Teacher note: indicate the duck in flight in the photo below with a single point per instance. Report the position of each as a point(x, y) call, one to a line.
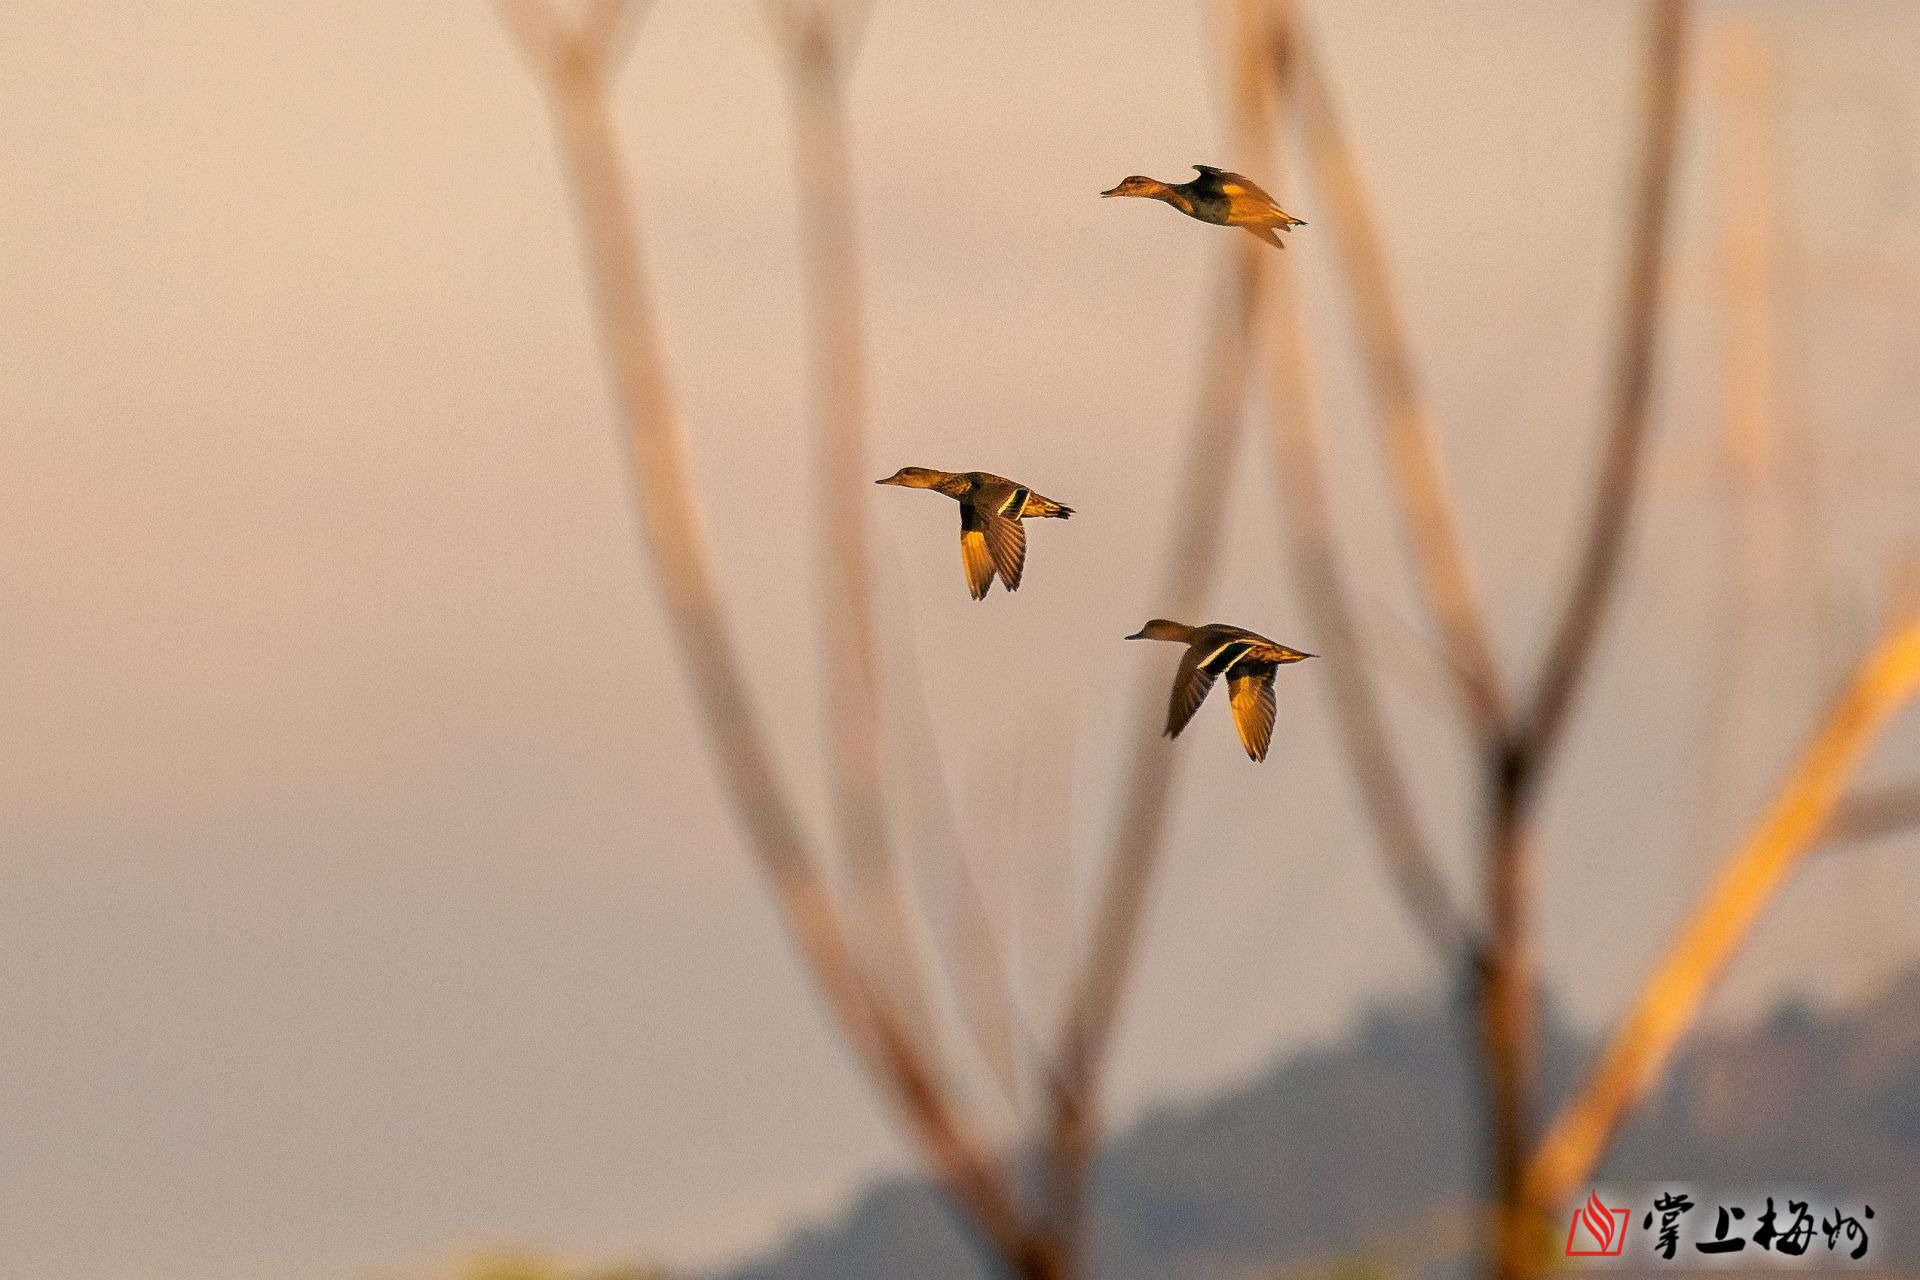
point(1216, 196)
point(992, 537)
point(1248, 661)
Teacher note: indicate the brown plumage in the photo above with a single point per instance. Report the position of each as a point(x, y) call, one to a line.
point(992, 538)
point(1216, 196)
point(1248, 661)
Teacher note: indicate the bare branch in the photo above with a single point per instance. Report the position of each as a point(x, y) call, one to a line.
point(1188, 569)
point(1519, 759)
point(980, 977)
point(1103, 971)
point(608, 29)
point(1617, 486)
point(554, 50)
point(823, 172)
point(1873, 813)
point(537, 32)
point(673, 538)
point(1669, 1002)
point(1445, 571)
point(1310, 541)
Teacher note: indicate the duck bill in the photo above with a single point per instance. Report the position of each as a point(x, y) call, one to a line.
point(1138, 635)
point(888, 480)
point(1115, 192)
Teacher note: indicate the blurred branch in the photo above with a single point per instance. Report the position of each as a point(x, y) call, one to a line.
point(1310, 540)
point(1870, 814)
point(1102, 973)
point(1518, 761)
point(1751, 428)
point(1669, 1002)
point(598, 44)
point(1192, 555)
point(1432, 532)
point(1618, 484)
point(816, 71)
point(977, 968)
point(572, 69)
point(1186, 572)
point(840, 26)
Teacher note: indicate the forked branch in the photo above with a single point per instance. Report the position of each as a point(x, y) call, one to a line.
point(1432, 532)
point(1311, 542)
point(1100, 975)
point(1617, 490)
point(1669, 1001)
point(1872, 813)
point(574, 69)
point(816, 53)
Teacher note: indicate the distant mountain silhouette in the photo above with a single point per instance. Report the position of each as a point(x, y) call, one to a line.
point(1360, 1157)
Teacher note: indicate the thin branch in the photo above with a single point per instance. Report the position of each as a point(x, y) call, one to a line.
point(1102, 973)
point(1445, 572)
point(673, 538)
point(796, 22)
point(1310, 541)
point(823, 170)
point(1669, 1002)
point(608, 29)
point(1519, 761)
point(1186, 572)
point(599, 43)
point(977, 970)
point(1870, 814)
point(1617, 487)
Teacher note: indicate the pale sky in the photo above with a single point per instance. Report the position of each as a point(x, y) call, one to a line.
point(365, 894)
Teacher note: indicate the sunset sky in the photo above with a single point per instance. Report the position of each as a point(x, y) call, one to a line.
point(365, 891)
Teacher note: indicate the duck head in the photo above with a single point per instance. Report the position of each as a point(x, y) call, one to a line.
point(1151, 188)
point(1163, 629)
point(915, 477)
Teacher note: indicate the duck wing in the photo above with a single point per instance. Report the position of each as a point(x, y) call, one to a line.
point(1251, 685)
point(1234, 184)
point(1223, 634)
point(1007, 543)
point(1190, 685)
point(1229, 183)
point(974, 554)
point(1247, 197)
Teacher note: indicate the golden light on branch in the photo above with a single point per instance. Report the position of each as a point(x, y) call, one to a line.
point(1670, 1001)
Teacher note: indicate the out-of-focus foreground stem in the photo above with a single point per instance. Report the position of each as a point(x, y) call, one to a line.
point(574, 69)
point(1519, 761)
point(1312, 547)
point(816, 55)
point(1101, 975)
point(1669, 1001)
point(1432, 532)
point(1618, 485)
